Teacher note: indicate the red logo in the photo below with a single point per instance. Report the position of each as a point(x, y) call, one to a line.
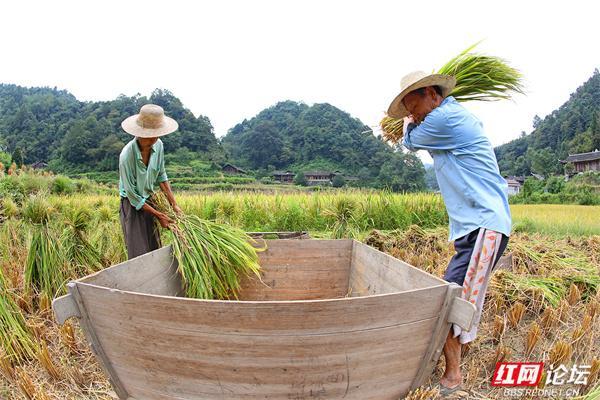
point(517, 374)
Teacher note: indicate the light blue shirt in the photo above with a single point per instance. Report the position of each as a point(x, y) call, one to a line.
point(475, 194)
point(137, 181)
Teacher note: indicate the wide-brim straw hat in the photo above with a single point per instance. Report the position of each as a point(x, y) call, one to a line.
point(150, 122)
point(417, 80)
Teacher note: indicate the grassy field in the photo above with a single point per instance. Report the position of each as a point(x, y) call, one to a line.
point(545, 308)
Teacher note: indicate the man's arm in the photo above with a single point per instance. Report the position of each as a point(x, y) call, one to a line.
point(166, 189)
point(126, 170)
point(163, 181)
point(434, 133)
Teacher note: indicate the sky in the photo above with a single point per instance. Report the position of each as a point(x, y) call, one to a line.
point(228, 60)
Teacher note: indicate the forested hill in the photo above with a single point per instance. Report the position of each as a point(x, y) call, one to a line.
point(52, 126)
point(49, 125)
point(295, 136)
point(572, 128)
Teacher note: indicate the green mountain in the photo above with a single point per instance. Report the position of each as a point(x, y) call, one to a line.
point(295, 136)
point(573, 128)
point(50, 125)
point(85, 138)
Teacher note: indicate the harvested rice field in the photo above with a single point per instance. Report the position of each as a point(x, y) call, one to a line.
point(542, 305)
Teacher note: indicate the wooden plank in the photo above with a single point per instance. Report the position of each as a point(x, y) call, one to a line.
point(65, 307)
point(180, 363)
point(462, 313)
point(95, 344)
point(438, 338)
point(153, 273)
point(264, 317)
point(297, 282)
point(316, 269)
point(374, 272)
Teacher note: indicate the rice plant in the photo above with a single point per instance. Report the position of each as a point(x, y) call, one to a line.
point(533, 336)
point(80, 253)
point(560, 353)
point(15, 338)
point(44, 269)
point(478, 77)
point(344, 221)
point(212, 257)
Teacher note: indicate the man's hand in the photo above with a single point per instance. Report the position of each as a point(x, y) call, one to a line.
point(164, 220)
point(407, 120)
point(177, 209)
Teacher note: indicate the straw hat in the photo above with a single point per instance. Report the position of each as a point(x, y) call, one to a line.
point(150, 122)
point(417, 80)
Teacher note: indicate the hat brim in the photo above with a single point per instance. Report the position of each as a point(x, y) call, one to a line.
point(130, 126)
point(446, 82)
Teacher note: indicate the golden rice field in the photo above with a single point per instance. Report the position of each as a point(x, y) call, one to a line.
point(557, 218)
point(544, 307)
point(369, 210)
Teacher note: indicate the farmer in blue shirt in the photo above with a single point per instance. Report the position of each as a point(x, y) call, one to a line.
point(475, 194)
point(141, 172)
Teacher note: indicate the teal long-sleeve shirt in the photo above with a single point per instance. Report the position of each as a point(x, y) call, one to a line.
point(475, 194)
point(137, 181)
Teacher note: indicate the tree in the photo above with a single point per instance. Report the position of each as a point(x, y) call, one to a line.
point(300, 179)
point(543, 162)
point(402, 173)
point(75, 144)
point(18, 157)
point(262, 146)
point(595, 131)
point(338, 181)
point(5, 159)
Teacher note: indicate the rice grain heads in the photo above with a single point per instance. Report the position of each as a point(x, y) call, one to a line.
point(478, 77)
point(212, 257)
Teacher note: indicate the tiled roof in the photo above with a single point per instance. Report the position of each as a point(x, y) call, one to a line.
point(594, 155)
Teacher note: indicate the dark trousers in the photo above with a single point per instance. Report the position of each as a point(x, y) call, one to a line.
point(458, 265)
point(139, 230)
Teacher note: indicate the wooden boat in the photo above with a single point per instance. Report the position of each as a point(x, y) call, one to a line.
point(331, 319)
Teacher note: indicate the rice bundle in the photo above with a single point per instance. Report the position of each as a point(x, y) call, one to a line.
point(478, 77)
point(344, 224)
point(16, 342)
point(212, 257)
point(44, 268)
point(78, 249)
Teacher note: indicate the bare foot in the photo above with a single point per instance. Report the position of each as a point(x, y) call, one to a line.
point(451, 381)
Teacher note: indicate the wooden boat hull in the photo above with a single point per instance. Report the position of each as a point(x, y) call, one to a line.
point(331, 319)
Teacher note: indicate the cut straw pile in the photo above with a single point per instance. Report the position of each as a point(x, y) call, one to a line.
point(478, 77)
point(212, 257)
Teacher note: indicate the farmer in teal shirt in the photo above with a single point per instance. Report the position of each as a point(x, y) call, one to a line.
point(474, 192)
point(141, 172)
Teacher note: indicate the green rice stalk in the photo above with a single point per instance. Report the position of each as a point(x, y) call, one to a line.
point(44, 268)
point(212, 257)
point(345, 224)
point(478, 77)
point(16, 341)
point(80, 253)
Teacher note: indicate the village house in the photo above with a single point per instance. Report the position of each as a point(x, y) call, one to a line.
point(514, 184)
point(514, 187)
point(39, 165)
point(232, 170)
point(283, 176)
point(583, 162)
point(314, 178)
